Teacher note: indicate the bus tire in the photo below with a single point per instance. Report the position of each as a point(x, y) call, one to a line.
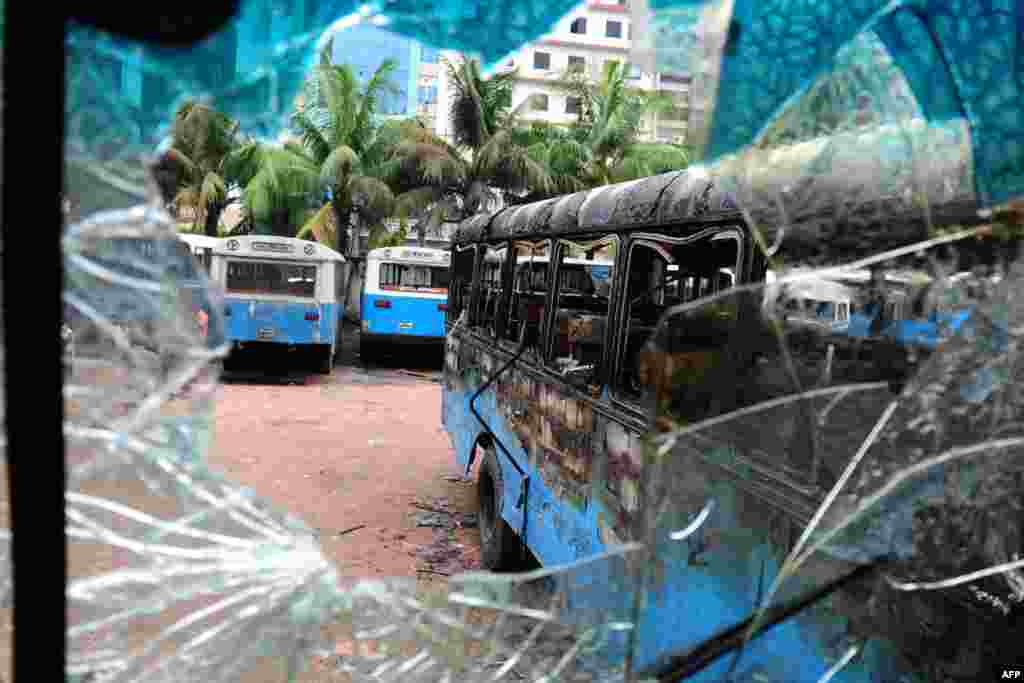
point(325, 365)
point(500, 546)
point(368, 351)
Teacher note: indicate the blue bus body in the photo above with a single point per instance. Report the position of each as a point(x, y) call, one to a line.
point(281, 293)
point(404, 297)
point(571, 472)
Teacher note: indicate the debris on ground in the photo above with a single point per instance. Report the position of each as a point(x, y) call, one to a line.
point(439, 513)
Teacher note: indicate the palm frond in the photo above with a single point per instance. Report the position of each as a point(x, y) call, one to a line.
point(187, 197)
point(311, 135)
point(415, 202)
point(338, 166)
point(378, 83)
point(320, 225)
point(212, 191)
point(372, 199)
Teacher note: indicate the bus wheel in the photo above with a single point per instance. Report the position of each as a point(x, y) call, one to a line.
point(326, 361)
point(500, 547)
point(368, 351)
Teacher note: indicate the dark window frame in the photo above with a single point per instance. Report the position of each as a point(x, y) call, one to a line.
point(569, 100)
point(608, 31)
point(577, 63)
point(578, 22)
point(454, 311)
point(539, 56)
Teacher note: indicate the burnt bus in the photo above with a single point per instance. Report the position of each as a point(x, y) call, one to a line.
point(752, 388)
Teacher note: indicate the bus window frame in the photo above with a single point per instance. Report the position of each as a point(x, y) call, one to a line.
point(625, 401)
point(512, 260)
point(601, 378)
point(500, 307)
point(452, 316)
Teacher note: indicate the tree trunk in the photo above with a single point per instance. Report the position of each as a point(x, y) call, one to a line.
point(212, 220)
point(342, 223)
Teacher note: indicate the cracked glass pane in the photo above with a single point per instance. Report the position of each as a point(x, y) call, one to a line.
point(823, 385)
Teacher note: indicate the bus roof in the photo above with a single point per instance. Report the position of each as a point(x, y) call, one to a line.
point(836, 198)
point(200, 240)
point(273, 246)
point(424, 255)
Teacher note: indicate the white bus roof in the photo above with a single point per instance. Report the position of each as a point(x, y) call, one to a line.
point(423, 255)
point(273, 246)
point(200, 240)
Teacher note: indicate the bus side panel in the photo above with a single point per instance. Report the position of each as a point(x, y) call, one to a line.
point(562, 525)
point(407, 316)
point(584, 472)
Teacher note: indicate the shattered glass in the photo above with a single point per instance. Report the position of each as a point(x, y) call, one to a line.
point(179, 574)
point(748, 58)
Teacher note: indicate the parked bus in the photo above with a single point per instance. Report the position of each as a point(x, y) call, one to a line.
point(202, 247)
point(558, 397)
point(150, 261)
point(404, 297)
point(281, 293)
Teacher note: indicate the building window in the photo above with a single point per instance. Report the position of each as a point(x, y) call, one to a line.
point(572, 105)
point(576, 63)
point(539, 102)
point(578, 26)
point(613, 29)
point(542, 61)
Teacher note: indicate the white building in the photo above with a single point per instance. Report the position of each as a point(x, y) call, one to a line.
point(588, 37)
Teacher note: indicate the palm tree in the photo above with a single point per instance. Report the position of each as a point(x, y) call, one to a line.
point(279, 183)
point(202, 139)
point(602, 146)
point(482, 168)
point(345, 150)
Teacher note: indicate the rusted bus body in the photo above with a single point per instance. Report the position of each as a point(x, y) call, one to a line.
point(689, 337)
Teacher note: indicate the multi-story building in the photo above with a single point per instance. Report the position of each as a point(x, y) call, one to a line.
point(586, 39)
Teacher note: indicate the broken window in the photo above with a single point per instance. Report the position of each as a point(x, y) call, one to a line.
point(492, 306)
point(577, 341)
point(663, 272)
point(529, 292)
point(463, 264)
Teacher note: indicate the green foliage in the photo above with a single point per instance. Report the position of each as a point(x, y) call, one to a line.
point(202, 141)
point(487, 165)
point(602, 146)
point(390, 239)
point(343, 150)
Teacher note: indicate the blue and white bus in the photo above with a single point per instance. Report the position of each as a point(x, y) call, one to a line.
point(404, 297)
point(281, 293)
point(202, 247)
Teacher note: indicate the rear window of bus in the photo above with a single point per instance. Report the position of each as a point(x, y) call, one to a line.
point(414, 277)
point(260, 277)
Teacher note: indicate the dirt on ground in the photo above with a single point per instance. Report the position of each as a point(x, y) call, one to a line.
point(362, 458)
